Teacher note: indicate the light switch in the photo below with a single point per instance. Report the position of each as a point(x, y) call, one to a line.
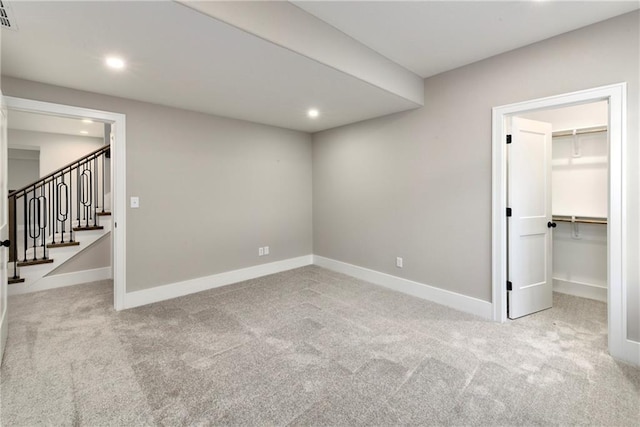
point(135, 202)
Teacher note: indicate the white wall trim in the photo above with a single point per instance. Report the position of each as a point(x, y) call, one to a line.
point(4, 330)
point(178, 289)
point(63, 280)
point(440, 296)
point(420, 290)
point(631, 352)
point(619, 346)
point(118, 176)
point(583, 290)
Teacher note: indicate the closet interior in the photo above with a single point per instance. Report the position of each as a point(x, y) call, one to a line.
point(579, 198)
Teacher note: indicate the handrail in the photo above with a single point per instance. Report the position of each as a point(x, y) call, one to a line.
point(44, 179)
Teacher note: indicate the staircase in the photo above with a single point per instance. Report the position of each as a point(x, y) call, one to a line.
point(57, 217)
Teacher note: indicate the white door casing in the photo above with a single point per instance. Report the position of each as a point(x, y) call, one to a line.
point(529, 236)
point(620, 346)
point(4, 230)
point(118, 176)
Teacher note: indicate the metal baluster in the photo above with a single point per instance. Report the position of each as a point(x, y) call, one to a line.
point(70, 215)
point(33, 222)
point(95, 191)
point(13, 253)
point(69, 202)
point(64, 222)
point(31, 225)
point(87, 193)
point(54, 209)
point(78, 194)
point(81, 187)
point(50, 210)
point(104, 160)
point(62, 215)
point(25, 222)
point(82, 194)
point(43, 220)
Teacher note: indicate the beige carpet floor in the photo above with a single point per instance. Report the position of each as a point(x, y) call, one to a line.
point(306, 347)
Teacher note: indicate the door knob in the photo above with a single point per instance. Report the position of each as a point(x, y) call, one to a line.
point(551, 224)
point(5, 243)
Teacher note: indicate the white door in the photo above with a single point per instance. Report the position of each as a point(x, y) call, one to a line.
point(4, 230)
point(530, 224)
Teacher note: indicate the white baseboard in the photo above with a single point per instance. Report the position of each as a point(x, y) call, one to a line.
point(631, 352)
point(584, 290)
point(420, 290)
point(4, 327)
point(174, 290)
point(62, 280)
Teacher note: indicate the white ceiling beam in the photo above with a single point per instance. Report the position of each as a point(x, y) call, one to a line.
point(288, 26)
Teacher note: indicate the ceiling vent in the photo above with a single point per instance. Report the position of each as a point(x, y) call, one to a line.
point(6, 20)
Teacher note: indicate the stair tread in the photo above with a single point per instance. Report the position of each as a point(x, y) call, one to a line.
point(103, 213)
point(13, 281)
point(91, 227)
point(62, 245)
point(36, 262)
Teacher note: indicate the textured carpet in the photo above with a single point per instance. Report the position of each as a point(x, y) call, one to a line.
point(306, 347)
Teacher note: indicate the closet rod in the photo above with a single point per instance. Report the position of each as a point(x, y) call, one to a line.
point(596, 129)
point(580, 219)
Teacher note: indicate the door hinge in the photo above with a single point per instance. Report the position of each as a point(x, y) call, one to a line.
point(508, 211)
point(509, 285)
point(508, 139)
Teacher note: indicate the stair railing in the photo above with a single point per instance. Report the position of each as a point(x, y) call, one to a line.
point(47, 212)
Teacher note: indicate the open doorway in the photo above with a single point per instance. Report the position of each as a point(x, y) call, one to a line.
point(579, 198)
point(557, 196)
point(615, 95)
point(85, 178)
point(59, 177)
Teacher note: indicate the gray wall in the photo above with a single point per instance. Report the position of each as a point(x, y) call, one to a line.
point(23, 167)
point(97, 255)
point(418, 184)
point(212, 190)
point(56, 150)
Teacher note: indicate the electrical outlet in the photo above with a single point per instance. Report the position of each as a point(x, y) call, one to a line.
point(266, 250)
point(135, 202)
point(399, 263)
point(260, 251)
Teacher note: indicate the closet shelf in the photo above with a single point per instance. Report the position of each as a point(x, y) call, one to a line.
point(580, 131)
point(580, 219)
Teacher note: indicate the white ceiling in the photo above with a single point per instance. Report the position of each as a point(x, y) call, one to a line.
point(430, 37)
point(20, 120)
point(179, 57)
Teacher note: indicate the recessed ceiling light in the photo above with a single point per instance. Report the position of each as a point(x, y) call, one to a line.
point(84, 132)
point(87, 121)
point(115, 62)
point(313, 113)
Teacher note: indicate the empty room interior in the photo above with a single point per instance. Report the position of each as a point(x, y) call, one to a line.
point(320, 213)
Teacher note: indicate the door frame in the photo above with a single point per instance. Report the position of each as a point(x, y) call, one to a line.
point(619, 346)
point(118, 177)
point(4, 288)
